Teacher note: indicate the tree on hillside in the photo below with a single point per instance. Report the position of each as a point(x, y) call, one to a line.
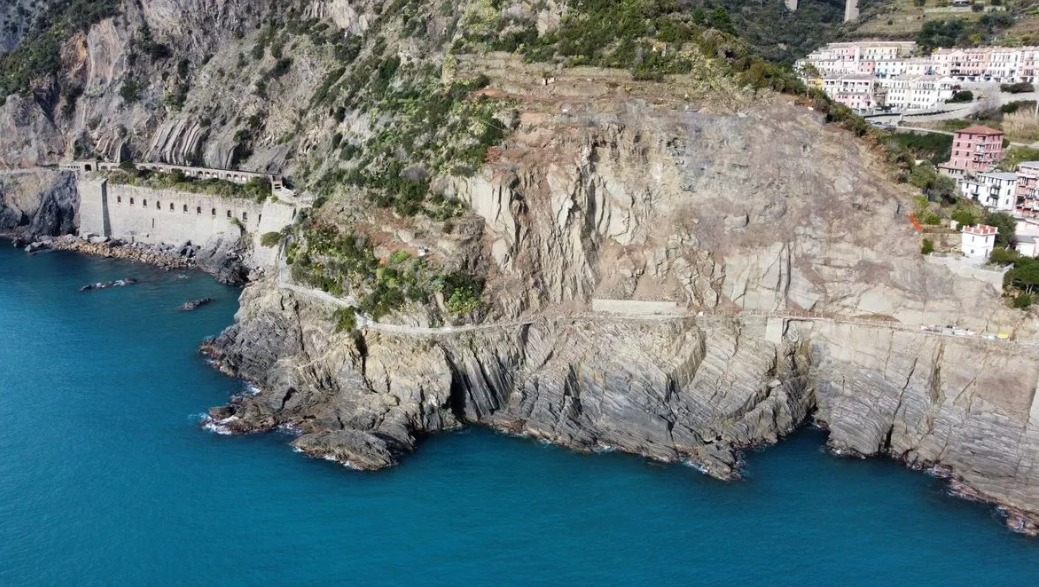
point(923, 175)
point(721, 20)
point(944, 187)
point(1007, 227)
point(1025, 276)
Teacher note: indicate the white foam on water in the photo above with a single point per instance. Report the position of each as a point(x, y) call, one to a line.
point(343, 462)
point(219, 426)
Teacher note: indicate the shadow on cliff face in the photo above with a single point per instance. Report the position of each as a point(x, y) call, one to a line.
point(38, 204)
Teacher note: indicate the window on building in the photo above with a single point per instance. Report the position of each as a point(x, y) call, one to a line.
point(199, 209)
point(214, 211)
point(158, 205)
point(144, 203)
point(131, 201)
point(185, 207)
point(245, 216)
point(118, 199)
point(228, 213)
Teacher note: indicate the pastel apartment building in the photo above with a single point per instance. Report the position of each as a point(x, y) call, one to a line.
point(921, 92)
point(995, 190)
point(891, 60)
point(1027, 205)
point(975, 149)
point(983, 64)
point(856, 91)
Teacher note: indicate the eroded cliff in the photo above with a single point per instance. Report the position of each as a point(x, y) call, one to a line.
point(742, 208)
point(666, 178)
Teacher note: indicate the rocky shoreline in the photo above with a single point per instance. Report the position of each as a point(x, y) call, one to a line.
point(226, 266)
point(162, 257)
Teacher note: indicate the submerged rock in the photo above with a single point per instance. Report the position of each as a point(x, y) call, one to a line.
point(195, 304)
point(107, 284)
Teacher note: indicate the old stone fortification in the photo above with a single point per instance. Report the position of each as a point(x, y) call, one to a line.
point(154, 216)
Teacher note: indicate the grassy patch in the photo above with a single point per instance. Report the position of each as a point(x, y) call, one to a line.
point(258, 189)
point(447, 130)
point(336, 262)
point(933, 147)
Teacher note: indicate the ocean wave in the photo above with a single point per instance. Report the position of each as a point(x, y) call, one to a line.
point(343, 462)
point(219, 426)
point(292, 429)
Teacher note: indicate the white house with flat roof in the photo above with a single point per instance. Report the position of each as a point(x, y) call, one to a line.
point(977, 242)
point(1027, 246)
point(995, 190)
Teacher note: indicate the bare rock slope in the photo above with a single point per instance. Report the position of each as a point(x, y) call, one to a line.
point(734, 208)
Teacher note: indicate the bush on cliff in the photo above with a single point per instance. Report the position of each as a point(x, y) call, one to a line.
point(345, 319)
point(1023, 301)
point(271, 239)
point(927, 248)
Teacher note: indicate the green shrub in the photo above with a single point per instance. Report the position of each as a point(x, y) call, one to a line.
point(1023, 300)
point(1006, 225)
point(1003, 256)
point(130, 91)
point(271, 239)
point(345, 319)
point(964, 216)
point(961, 96)
point(932, 219)
point(927, 248)
point(1018, 88)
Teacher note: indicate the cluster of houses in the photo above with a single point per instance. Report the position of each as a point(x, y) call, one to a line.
point(976, 151)
point(869, 75)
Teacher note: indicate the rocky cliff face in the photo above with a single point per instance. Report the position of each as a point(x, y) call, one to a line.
point(733, 207)
point(41, 203)
point(669, 391)
point(694, 189)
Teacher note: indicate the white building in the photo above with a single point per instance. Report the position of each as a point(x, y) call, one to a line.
point(995, 190)
point(922, 92)
point(888, 59)
point(977, 242)
point(885, 68)
point(1027, 246)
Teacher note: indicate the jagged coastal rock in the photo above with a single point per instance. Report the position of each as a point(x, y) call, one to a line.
point(697, 391)
point(195, 304)
point(740, 208)
point(107, 284)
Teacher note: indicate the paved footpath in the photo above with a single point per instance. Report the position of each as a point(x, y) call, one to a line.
point(703, 319)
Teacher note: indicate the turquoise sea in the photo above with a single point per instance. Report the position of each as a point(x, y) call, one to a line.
point(107, 479)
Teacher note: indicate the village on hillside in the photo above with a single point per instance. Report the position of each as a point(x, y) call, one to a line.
point(892, 76)
point(875, 77)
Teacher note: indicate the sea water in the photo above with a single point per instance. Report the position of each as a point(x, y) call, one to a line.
point(106, 478)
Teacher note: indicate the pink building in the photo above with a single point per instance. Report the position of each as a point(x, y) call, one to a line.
point(974, 149)
point(1028, 189)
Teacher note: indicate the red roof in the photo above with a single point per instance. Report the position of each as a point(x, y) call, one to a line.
point(977, 129)
point(981, 230)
